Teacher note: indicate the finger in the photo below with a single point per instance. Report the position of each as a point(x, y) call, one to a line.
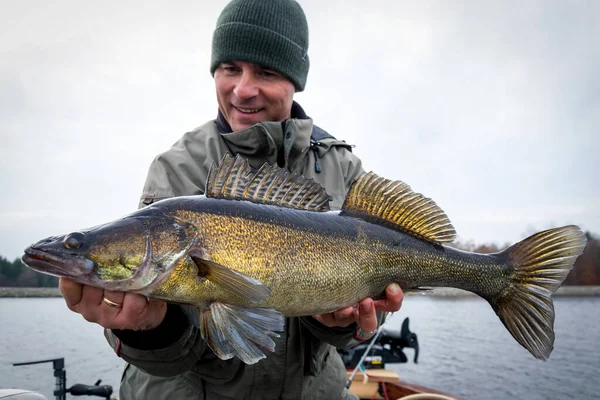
point(153, 315)
point(393, 299)
point(326, 319)
point(345, 315)
point(157, 310)
point(140, 313)
point(332, 319)
point(71, 292)
point(89, 306)
point(109, 306)
point(367, 318)
point(134, 305)
point(115, 297)
point(92, 297)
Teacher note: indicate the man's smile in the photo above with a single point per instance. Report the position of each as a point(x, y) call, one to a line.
point(247, 110)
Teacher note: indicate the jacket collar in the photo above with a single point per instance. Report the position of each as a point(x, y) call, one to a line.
point(224, 127)
point(270, 141)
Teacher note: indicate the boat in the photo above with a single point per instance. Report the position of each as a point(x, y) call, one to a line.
point(368, 376)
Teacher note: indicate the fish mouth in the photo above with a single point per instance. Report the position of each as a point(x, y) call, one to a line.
point(68, 265)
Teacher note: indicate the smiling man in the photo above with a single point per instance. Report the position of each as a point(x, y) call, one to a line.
point(259, 60)
point(249, 93)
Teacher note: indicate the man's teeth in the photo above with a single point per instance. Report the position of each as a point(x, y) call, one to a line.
point(248, 110)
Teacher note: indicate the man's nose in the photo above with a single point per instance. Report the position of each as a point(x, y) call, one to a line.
point(246, 87)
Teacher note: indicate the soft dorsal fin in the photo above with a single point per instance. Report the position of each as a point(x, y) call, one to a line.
point(394, 204)
point(234, 179)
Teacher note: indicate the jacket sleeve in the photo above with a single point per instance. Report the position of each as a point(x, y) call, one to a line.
point(170, 359)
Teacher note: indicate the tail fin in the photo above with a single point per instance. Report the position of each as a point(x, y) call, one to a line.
point(541, 264)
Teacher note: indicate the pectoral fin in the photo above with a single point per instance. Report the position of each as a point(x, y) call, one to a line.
point(232, 331)
point(233, 281)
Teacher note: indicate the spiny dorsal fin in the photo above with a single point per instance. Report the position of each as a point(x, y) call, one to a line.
point(394, 204)
point(234, 179)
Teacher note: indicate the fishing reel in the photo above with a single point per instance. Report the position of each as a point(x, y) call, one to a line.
point(387, 349)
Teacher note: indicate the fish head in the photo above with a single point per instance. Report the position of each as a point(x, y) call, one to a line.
point(128, 254)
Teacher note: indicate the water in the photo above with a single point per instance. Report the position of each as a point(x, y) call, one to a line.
point(41, 328)
point(465, 350)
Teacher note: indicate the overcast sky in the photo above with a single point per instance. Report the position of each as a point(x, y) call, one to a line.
point(491, 108)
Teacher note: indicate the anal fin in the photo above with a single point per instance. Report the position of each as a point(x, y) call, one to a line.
point(233, 331)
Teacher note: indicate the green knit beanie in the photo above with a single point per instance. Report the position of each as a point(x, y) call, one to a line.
point(270, 33)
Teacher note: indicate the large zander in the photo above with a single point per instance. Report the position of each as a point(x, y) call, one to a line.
point(262, 245)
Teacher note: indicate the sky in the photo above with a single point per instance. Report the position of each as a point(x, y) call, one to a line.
point(490, 108)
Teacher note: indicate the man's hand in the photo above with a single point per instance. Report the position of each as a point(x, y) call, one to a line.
point(136, 311)
point(363, 313)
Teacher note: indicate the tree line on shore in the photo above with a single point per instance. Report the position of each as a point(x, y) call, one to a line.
point(585, 272)
point(16, 274)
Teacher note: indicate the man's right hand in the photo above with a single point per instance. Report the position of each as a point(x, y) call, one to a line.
point(137, 312)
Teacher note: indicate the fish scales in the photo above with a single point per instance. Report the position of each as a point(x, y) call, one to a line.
point(318, 262)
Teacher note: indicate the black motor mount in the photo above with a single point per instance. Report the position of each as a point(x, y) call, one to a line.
point(387, 349)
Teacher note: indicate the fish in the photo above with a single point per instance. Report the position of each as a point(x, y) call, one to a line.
point(262, 244)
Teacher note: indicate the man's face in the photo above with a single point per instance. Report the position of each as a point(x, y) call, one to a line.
point(248, 94)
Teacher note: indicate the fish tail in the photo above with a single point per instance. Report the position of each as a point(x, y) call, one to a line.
point(540, 264)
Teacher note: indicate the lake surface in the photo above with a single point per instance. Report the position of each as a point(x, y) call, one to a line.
point(464, 349)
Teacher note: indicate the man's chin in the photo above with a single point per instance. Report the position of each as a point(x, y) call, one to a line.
point(242, 120)
point(240, 126)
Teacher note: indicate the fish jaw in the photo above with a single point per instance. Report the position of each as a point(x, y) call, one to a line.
point(57, 264)
point(48, 256)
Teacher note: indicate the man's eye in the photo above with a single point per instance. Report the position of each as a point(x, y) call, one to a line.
point(268, 74)
point(229, 68)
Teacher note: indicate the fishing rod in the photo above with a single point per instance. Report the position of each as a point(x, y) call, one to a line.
point(364, 356)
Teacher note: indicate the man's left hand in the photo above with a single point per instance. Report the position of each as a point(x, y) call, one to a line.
point(363, 313)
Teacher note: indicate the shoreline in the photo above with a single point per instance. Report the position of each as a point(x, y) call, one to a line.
point(563, 291)
point(6, 291)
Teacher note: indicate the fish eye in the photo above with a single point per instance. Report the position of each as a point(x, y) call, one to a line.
point(73, 240)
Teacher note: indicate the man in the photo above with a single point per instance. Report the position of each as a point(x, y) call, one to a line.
point(259, 60)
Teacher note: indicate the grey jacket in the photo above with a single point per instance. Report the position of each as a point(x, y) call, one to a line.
point(305, 364)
